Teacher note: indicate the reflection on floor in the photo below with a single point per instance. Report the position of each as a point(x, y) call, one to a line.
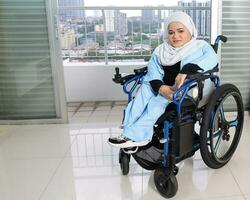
point(74, 162)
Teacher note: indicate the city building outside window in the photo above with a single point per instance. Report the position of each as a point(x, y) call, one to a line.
point(113, 33)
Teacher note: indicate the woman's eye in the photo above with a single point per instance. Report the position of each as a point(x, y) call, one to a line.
point(170, 33)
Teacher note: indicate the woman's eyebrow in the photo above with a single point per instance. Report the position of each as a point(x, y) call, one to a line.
point(176, 29)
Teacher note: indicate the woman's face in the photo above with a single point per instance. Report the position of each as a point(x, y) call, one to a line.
point(178, 34)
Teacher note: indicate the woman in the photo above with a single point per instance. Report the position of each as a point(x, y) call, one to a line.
point(179, 55)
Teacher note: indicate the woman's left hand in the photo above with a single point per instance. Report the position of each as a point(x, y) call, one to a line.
point(179, 80)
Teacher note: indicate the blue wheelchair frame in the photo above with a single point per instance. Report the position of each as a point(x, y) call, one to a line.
point(177, 100)
point(174, 136)
point(178, 96)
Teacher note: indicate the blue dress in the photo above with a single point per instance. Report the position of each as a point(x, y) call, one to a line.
point(144, 110)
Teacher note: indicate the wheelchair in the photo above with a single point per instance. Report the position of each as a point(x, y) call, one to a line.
point(220, 120)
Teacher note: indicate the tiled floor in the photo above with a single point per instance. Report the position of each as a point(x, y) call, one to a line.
point(74, 162)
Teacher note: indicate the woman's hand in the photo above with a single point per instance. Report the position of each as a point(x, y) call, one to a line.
point(179, 80)
point(166, 91)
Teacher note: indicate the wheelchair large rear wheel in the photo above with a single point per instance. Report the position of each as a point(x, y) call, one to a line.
point(221, 126)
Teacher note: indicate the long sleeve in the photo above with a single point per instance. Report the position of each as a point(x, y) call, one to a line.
point(155, 85)
point(155, 71)
point(190, 68)
point(205, 57)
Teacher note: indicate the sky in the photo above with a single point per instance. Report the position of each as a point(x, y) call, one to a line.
point(133, 2)
point(128, 2)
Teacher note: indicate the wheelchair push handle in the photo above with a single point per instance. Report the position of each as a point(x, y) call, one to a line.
point(223, 38)
point(217, 40)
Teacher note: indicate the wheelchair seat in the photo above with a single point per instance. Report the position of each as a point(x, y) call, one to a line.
point(170, 113)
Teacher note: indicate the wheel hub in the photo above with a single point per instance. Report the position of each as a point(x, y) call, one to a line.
point(225, 131)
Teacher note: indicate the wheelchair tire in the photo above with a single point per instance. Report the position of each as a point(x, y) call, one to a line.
point(124, 160)
point(219, 136)
point(165, 182)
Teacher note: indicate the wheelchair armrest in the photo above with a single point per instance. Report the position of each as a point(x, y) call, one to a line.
point(180, 94)
point(122, 80)
point(141, 70)
point(118, 78)
point(192, 81)
point(200, 76)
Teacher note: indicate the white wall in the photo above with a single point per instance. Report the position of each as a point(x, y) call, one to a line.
point(93, 83)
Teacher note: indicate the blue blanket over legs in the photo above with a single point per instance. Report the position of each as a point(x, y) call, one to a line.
point(142, 113)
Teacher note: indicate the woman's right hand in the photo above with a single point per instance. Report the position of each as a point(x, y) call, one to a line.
point(166, 91)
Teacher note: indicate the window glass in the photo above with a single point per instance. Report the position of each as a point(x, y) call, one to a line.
point(123, 34)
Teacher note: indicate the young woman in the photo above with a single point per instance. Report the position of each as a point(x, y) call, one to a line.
point(180, 54)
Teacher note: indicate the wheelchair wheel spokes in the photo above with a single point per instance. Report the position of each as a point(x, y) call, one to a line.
point(221, 130)
point(217, 141)
point(234, 123)
point(222, 114)
point(219, 134)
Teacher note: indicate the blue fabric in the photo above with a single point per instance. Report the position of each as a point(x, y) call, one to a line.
point(144, 110)
point(205, 58)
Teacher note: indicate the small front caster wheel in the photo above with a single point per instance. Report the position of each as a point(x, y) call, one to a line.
point(124, 159)
point(165, 182)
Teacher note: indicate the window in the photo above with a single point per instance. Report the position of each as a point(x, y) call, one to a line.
point(28, 85)
point(122, 34)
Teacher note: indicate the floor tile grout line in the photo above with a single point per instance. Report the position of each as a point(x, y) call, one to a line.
point(94, 108)
point(223, 196)
point(142, 185)
point(77, 108)
point(56, 170)
point(50, 180)
point(242, 193)
point(111, 106)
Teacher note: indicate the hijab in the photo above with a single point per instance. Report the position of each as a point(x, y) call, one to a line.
point(170, 55)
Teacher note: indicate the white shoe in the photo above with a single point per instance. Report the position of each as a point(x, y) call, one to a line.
point(123, 142)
